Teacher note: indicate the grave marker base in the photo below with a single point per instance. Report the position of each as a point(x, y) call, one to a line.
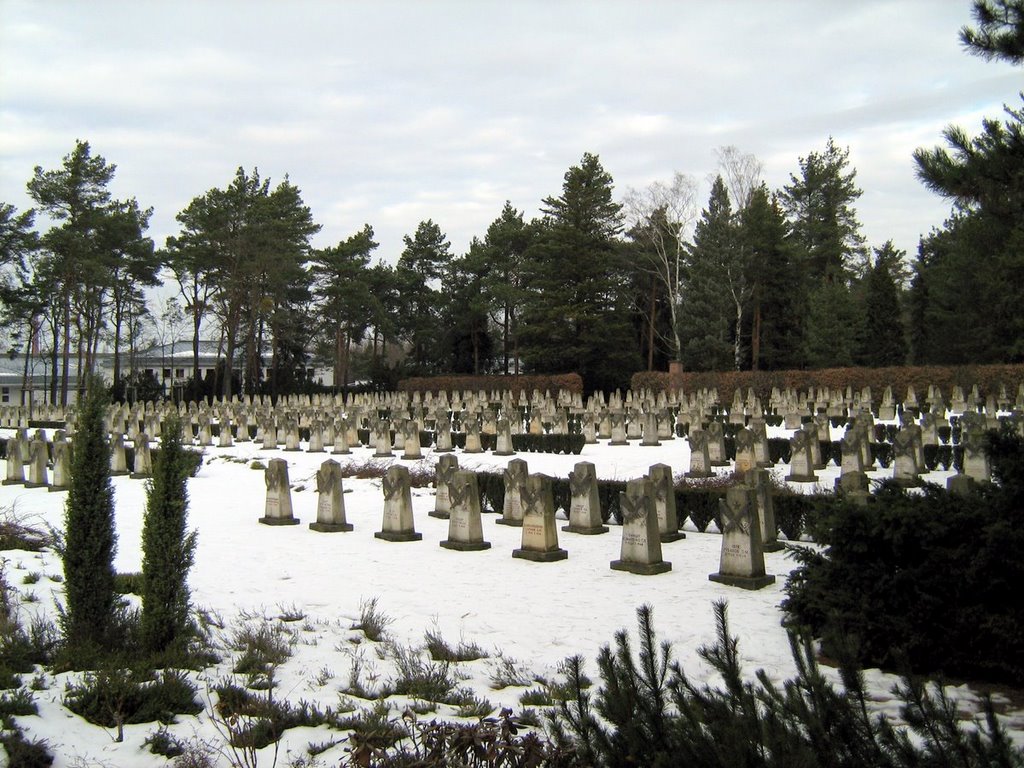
point(548, 556)
point(279, 520)
point(669, 537)
point(36, 485)
point(585, 530)
point(699, 475)
point(744, 582)
point(331, 527)
point(393, 536)
point(811, 478)
point(55, 488)
point(509, 522)
point(438, 515)
point(641, 569)
point(773, 546)
point(466, 546)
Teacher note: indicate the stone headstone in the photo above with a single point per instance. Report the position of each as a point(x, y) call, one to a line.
point(38, 456)
point(801, 468)
point(618, 429)
point(585, 503)
point(61, 463)
point(443, 436)
point(906, 469)
point(411, 440)
point(503, 441)
point(853, 485)
point(650, 434)
point(278, 509)
point(224, 438)
point(330, 505)
point(142, 466)
point(465, 528)
point(745, 457)
point(515, 475)
point(381, 438)
point(716, 444)
point(760, 481)
point(316, 438)
point(340, 442)
point(640, 551)
point(976, 463)
point(664, 492)
point(741, 563)
point(540, 534)
point(444, 473)
point(398, 521)
point(118, 460)
point(472, 430)
point(700, 459)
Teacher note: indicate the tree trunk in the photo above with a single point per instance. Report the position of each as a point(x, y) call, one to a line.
point(755, 336)
point(650, 327)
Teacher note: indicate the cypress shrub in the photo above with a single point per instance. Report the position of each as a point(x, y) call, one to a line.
point(167, 548)
point(90, 540)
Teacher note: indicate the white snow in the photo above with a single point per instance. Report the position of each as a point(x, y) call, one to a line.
point(535, 613)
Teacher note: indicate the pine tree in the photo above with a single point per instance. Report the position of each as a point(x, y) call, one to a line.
point(90, 540)
point(707, 306)
point(576, 311)
point(884, 340)
point(167, 549)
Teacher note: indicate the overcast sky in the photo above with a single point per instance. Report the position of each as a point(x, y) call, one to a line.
point(390, 113)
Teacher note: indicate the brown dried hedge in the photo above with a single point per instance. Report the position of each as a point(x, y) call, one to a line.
point(568, 381)
point(989, 378)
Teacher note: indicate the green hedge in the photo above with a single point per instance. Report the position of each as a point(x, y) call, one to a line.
point(571, 382)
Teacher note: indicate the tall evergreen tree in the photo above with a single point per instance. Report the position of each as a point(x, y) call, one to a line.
point(819, 203)
point(969, 274)
point(576, 314)
point(342, 288)
point(884, 341)
point(167, 548)
point(774, 318)
point(505, 246)
point(420, 268)
point(90, 539)
point(707, 305)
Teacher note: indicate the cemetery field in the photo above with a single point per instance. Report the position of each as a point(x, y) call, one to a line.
point(525, 617)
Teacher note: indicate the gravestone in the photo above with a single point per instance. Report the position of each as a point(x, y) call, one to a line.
point(398, 522)
point(515, 475)
point(760, 481)
point(382, 438)
point(61, 463)
point(801, 470)
point(330, 505)
point(976, 463)
point(640, 551)
point(700, 459)
point(269, 435)
point(503, 441)
point(340, 447)
point(650, 429)
point(851, 459)
point(741, 563)
point(444, 473)
point(278, 509)
point(224, 439)
point(118, 461)
point(745, 456)
point(411, 440)
point(316, 438)
point(618, 429)
point(589, 428)
point(472, 429)
point(38, 456)
point(443, 435)
point(906, 469)
point(585, 504)
point(540, 534)
point(854, 486)
point(716, 444)
point(143, 462)
point(664, 493)
point(465, 529)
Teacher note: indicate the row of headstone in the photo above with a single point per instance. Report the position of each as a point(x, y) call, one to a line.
point(649, 516)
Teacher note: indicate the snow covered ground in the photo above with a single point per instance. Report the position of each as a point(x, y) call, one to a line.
point(536, 614)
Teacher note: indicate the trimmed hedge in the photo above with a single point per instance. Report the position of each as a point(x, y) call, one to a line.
point(571, 382)
point(987, 377)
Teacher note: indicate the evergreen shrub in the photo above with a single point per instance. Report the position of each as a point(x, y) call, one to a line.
point(925, 582)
